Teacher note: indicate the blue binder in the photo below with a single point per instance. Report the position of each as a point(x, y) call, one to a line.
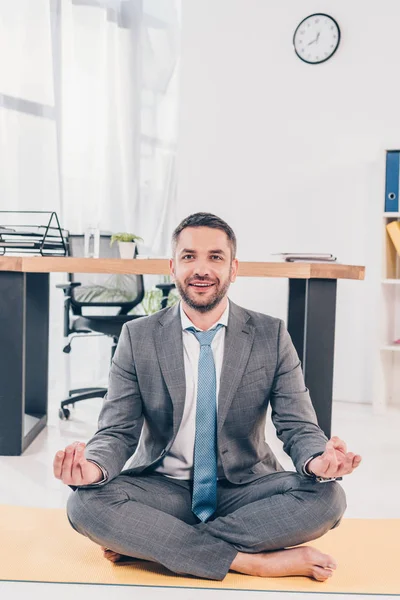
point(392, 181)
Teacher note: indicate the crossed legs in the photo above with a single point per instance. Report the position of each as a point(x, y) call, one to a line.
point(253, 531)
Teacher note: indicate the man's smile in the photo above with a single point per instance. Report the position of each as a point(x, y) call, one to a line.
point(201, 285)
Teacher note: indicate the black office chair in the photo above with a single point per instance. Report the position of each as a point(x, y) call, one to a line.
point(88, 292)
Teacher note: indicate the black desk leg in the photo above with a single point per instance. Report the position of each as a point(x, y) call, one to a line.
point(311, 324)
point(24, 334)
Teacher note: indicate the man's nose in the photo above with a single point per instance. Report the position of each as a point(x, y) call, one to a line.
point(202, 269)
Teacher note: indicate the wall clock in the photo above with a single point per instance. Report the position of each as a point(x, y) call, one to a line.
point(316, 38)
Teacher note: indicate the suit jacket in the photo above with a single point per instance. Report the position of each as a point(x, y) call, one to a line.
point(143, 408)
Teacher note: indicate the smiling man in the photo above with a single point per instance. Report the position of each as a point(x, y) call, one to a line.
point(187, 401)
point(203, 268)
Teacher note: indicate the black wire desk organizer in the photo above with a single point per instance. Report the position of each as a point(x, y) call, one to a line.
point(19, 235)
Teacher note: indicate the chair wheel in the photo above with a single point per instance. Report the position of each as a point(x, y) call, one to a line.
point(64, 414)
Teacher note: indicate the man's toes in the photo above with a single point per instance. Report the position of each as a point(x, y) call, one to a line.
point(327, 562)
point(111, 555)
point(318, 558)
point(321, 574)
point(115, 558)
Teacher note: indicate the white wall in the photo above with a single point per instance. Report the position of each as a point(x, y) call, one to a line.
point(290, 154)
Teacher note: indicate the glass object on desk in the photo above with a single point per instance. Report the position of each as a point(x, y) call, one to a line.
point(92, 243)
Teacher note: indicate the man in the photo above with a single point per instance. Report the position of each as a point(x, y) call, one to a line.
point(188, 394)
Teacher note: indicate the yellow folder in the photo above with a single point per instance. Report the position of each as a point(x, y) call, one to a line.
point(393, 230)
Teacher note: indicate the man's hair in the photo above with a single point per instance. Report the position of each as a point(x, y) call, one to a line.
point(201, 219)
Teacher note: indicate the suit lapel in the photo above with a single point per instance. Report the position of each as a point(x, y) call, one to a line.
point(169, 348)
point(238, 343)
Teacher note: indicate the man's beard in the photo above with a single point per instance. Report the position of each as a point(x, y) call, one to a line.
point(217, 296)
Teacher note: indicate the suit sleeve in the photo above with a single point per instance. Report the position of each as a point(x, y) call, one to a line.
point(292, 411)
point(120, 420)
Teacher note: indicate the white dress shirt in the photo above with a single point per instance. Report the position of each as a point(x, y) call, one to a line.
point(178, 463)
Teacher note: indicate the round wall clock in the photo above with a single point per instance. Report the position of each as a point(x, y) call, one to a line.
point(316, 38)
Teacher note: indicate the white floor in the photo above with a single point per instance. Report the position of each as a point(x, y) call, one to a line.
point(373, 491)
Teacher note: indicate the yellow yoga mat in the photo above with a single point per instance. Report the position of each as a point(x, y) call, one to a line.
point(38, 544)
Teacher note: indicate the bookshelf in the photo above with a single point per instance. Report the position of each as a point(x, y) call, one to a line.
point(388, 391)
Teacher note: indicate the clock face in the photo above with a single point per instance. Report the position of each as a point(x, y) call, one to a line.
point(316, 38)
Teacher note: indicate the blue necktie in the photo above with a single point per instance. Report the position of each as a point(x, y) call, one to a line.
point(204, 498)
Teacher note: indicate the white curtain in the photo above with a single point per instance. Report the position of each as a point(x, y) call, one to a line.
point(88, 124)
point(29, 176)
point(118, 103)
point(88, 113)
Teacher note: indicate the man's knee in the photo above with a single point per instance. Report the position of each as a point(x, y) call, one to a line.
point(74, 510)
point(334, 502)
point(91, 511)
point(78, 510)
point(340, 503)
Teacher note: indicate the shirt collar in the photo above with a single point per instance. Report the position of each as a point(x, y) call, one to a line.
point(186, 322)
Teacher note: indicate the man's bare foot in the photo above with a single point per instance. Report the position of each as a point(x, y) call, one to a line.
point(110, 554)
point(303, 560)
point(115, 557)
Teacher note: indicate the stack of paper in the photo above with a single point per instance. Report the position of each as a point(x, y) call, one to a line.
point(307, 257)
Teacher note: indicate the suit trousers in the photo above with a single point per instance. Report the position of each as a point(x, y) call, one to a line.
point(149, 517)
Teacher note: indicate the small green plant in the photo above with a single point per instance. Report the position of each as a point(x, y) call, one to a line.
point(125, 237)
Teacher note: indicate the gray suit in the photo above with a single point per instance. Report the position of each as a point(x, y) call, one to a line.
point(258, 502)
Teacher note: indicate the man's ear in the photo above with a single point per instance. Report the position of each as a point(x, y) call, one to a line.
point(234, 269)
point(172, 268)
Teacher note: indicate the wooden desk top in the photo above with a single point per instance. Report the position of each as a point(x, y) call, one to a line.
point(160, 266)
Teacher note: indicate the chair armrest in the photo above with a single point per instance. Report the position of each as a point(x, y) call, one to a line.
point(165, 288)
point(67, 287)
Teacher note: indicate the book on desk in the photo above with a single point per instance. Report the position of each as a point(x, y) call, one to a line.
point(307, 257)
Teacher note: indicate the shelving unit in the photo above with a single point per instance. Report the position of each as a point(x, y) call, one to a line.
point(388, 388)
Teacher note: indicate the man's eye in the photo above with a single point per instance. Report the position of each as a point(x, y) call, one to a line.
point(185, 256)
point(216, 256)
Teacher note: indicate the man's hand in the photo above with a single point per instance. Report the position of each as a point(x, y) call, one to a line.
point(335, 461)
point(71, 466)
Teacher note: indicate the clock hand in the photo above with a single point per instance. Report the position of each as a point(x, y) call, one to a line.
point(318, 34)
point(313, 42)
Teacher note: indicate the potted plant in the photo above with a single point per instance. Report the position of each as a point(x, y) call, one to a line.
point(126, 243)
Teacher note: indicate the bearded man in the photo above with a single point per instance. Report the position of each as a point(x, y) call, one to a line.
point(179, 471)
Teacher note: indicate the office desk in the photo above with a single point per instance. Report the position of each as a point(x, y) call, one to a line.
point(24, 330)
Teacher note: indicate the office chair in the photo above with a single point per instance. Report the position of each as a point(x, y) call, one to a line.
point(92, 293)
